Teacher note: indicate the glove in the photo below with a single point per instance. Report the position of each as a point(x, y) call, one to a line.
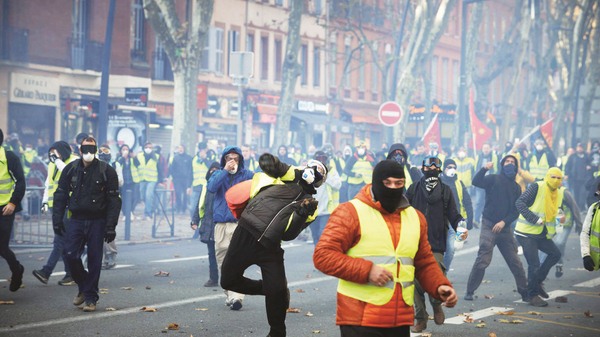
point(308, 207)
point(59, 228)
point(588, 263)
point(308, 175)
point(44, 208)
point(110, 235)
point(272, 166)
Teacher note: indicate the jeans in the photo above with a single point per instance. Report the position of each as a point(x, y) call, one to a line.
point(420, 308)
point(536, 273)
point(317, 226)
point(449, 254)
point(560, 240)
point(79, 234)
point(507, 245)
point(213, 267)
point(6, 226)
point(127, 195)
point(56, 254)
point(181, 196)
point(147, 194)
point(245, 251)
point(195, 198)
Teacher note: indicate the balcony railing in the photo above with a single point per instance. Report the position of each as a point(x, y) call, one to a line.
point(86, 55)
point(162, 67)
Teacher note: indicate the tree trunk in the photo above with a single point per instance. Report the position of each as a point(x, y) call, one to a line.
point(593, 78)
point(290, 73)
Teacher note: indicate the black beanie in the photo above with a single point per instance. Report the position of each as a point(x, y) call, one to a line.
point(449, 162)
point(389, 198)
point(1, 137)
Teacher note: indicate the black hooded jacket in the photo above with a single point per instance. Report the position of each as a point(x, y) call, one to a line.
point(63, 148)
point(415, 173)
point(501, 193)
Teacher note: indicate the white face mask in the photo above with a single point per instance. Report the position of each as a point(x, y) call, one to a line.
point(125, 153)
point(88, 157)
point(451, 172)
point(539, 147)
point(28, 149)
point(361, 152)
point(461, 154)
point(148, 151)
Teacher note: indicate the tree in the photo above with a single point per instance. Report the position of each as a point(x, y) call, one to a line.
point(290, 73)
point(183, 43)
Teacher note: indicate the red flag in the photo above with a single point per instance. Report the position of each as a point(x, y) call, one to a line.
point(481, 132)
point(546, 131)
point(432, 134)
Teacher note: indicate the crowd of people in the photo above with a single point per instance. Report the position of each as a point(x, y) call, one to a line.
point(368, 212)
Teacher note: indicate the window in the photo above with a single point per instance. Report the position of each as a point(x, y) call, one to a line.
point(79, 33)
point(347, 60)
point(444, 74)
point(304, 64)
point(279, 2)
point(218, 50)
point(361, 71)
point(233, 43)
point(374, 74)
point(264, 55)
point(434, 73)
point(278, 60)
point(138, 51)
point(212, 52)
point(455, 80)
point(332, 64)
point(317, 67)
point(162, 67)
point(250, 42)
point(318, 7)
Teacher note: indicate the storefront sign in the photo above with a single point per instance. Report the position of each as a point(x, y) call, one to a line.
point(35, 90)
point(310, 106)
point(136, 96)
point(126, 127)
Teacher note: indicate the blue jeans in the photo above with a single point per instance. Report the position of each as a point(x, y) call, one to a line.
point(196, 192)
point(449, 254)
point(147, 194)
point(56, 254)
point(213, 267)
point(536, 273)
point(317, 226)
point(79, 234)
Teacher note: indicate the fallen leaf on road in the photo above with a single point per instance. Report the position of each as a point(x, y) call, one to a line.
point(516, 321)
point(201, 309)
point(173, 326)
point(126, 288)
point(299, 290)
point(316, 331)
point(309, 314)
point(293, 310)
point(480, 325)
point(588, 314)
point(162, 274)
point(488, 297)
point(503, 321)
point(534, 313)
point(7, 302)
point(561, 299)
point(468, 319)
point(426, 334)
point(492, 334)
point(110, 309)
point(486, 281)
point(568, 317)
point(103, 291)
point(176, 255)
point(148, 309)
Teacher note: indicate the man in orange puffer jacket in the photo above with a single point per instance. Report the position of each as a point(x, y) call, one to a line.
point(376, 244)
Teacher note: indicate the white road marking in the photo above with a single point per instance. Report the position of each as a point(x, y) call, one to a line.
point(62, 273)
point(201, 257)
point(466, 251)
point(589, 284)
point(553, 294)
point(136, 309)
point(479, 314)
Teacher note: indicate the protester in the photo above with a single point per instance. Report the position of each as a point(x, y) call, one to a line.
point(478, 195)
point(375, 297)
point(577, 173)
point(180, 170)
point(200, 164)
point(359, 168)
point(146, 171)
point(282, 155)
point(109, 249)
point(590, 236)
point(541, 159)
point(128, 189)
point(465, 167)
point(327, 196)
point(250, 161)
point(399, 153)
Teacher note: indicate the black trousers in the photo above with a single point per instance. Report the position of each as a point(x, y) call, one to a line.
point(367, 331)
point(6, 227)
point(244, 251)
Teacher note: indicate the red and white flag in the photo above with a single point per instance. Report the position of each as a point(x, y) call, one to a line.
point(432, 134)
point(481, 132)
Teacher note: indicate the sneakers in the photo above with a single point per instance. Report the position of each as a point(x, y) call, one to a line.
point(468, 297)
point(89, 307)
point(419, 327)
point(542, 291)
point(537, 301)
point(109, 265)
point(66, 281)
point(40, 275)
point(438, 314)
point(78, 300)
point(559, 271)
point(236, 304)
point(16, 279)
point(211, 283)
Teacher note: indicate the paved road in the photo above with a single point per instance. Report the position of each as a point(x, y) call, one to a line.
point(46, 310)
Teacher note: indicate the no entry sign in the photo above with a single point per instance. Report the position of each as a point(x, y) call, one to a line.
point(390, 113)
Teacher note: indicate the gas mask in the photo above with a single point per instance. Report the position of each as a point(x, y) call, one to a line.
point(450, 172)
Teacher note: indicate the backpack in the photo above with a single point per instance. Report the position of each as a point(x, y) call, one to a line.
point(237, 197)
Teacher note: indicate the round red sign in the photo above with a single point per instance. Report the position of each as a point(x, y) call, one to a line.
point(390, 113)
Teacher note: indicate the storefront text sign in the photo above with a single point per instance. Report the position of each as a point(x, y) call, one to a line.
point(35, 90)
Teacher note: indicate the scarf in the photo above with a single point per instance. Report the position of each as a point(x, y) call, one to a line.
point(551, 201)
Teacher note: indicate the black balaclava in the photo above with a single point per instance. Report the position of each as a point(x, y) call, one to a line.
point(389, 198)
point(1, 137)
point(214, 166)
point(509, 171)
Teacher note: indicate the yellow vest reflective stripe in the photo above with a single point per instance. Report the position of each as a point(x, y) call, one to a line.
point(363, 170)
point(53, 184)
point(407, 178)
point(7, 184)
point(465, 168)
point(539, 168)
point(523, 226)
point(199, 170)
point(459, 191)
point(135, 176)
point(147, 171)
point(595, 237)
point(376, 245)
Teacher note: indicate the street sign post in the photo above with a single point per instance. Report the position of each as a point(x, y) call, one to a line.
point(390, 113)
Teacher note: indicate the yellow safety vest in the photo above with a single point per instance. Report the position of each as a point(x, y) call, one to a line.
point(146, 171)
point(525, 227)
point(595, 237)
point(407, 178)
point(199, 170)
point(363, 170)
point(538, 169)
point(459, 191)
point(465, 168)
point(7, 184)
point(54, 178)
point(376, 245)
point(28, 157)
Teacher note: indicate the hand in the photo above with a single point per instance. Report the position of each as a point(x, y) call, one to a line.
point(498, 227)
point(489, 165)
point(588, 263)
point(230, 165)
point(52, 157)
point(562, 219)
point(44, 208)
point(540, 221)
point(448, 295)
point(464, 235)
point(194, 225)
point(379, 276)
point(59, 228)
point(110, 235)
point(308, 207)
point(8, 209)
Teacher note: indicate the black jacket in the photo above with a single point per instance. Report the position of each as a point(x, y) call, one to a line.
point(439, 209)
point(501, 193)
point(267, 214)
point(88, 192)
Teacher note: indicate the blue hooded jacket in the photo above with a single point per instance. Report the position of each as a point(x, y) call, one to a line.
point(221, 181)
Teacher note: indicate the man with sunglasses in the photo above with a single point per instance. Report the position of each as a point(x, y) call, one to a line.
point(89, 188)
point(536, 226)
point(435, 200)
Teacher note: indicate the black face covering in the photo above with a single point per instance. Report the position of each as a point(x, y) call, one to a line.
point(389, 198)
point(432, 178)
